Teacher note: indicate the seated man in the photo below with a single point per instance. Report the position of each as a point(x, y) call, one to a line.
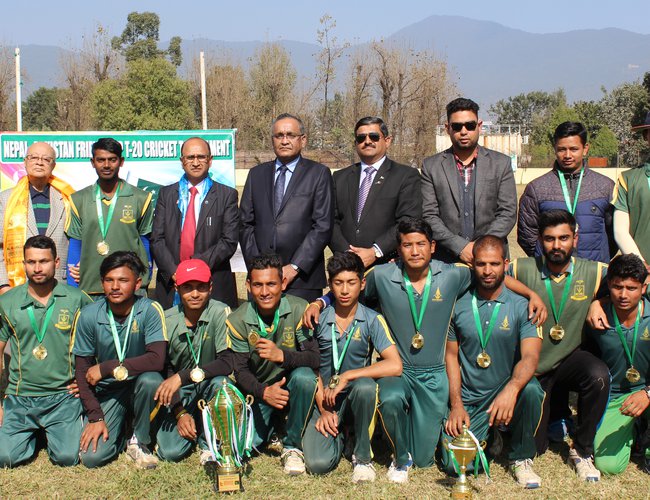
point(625, 348)
point(272, 348)
point(120, 342)
point(347, 335)
point(197, 337)
point(36, 319)
point(491, 377)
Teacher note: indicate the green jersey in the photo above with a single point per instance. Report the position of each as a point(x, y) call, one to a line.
point(28, 375)
point(632, 196)
point(132, 218)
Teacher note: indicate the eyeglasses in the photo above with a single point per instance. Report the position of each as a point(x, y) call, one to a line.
point(44, 159)
point(373, 136)
point(199, 158)
point(290, 136)
point(458, 126)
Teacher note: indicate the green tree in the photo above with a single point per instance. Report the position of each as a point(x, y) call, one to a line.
point(41, 109)
point(149, 96)
point(526, 109)
point(604, 144)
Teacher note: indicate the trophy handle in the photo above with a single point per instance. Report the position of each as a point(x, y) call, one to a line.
point(201, 404)
point(249, 399)
point(483, 444)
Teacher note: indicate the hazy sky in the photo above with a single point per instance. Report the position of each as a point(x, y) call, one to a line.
point(63, 23)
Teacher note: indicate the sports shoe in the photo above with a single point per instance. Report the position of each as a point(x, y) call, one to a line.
point(293, 461)
point(399, 474)
point(646, 465)
point(141, 456)
point(584, 466)
point(523, 472)
point(363, 473)
point(206, 457)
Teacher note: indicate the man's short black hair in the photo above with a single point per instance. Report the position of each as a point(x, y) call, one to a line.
point(344, 261)
point(108, 144)
point(413, 225)
point(569, 129)
point(41, 242)
point(265, 261)
point(284, 116)
point(461, 104)
point(122, 258)
point(556, 217)
point(627, 266)
point(372, 120)
point(490, 241)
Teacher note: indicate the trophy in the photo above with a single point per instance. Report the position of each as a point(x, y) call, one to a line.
point(463, 449)
point(228, 427)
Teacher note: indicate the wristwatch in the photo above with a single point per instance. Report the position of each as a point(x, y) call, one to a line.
point(646, 389)
point(295, 267)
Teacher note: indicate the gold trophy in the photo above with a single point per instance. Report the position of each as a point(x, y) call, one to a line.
point(465, 450)
point(227, 422)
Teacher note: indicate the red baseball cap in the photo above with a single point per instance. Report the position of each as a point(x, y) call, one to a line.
point(192, 270)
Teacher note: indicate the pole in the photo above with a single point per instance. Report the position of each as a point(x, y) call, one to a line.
point(19, 101)
point(204, 109)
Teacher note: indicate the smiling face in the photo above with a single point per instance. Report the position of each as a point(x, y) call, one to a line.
point(265, 285)
point(194, 295)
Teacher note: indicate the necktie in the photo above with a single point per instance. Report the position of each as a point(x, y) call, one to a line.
point(279, 189)
point(189, 228)
point(364, 189)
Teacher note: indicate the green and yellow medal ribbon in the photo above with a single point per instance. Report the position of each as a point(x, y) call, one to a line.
point(103, 226)
point(557, 311)
point(338, 361)
point(40, 332)
point(264, 332)
point(196, 355)
point(617, 324)
point(418, 316)
point(120, 347)
point(565, 191)
point(484, 337)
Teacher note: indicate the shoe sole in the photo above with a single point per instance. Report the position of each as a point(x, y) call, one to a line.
point(294, 472)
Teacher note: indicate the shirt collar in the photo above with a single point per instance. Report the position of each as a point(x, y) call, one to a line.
point(375, 165)
point(251, 312)
point(103, 318)
point(125, 190)
point(28, 300)
point(502, 297)
point(546, 272)
point(33, 192)
point(360, 315)
point(290, 166)
point(204, 318)
point(471, 163)
point(397, 275)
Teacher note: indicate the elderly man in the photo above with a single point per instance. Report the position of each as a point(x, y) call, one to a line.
point(196, 218)
point(36, 205)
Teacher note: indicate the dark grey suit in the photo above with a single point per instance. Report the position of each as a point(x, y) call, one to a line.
point(215, 241)
point(495, 200)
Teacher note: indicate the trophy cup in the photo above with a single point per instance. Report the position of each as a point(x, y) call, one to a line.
point(228, 427)
point(464, 449)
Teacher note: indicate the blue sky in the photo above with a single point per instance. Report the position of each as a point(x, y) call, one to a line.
point(63, 23)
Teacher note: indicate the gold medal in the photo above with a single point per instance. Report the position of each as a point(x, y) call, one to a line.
point(417, 341)
point(103, 248)
point(197, 375)
point(253, 338)
point(633, 375)
point(483, 360)
point(120, 373)
point(40, 352)
point(334, 381)
point(557, 332)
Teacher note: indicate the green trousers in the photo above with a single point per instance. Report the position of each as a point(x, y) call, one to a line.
point(523, 426)
point(173, 447)
point(411, 408)
point(613, 443)
point(301, 384)
point(59, 415)
point(136, 395)
point(356, 404)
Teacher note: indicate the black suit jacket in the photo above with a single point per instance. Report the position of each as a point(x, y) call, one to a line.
point(395, 194)
point(215, 241)
point(303, 226)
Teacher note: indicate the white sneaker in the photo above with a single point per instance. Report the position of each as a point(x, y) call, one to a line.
point(141, 456)
point(362, 473)
point(399, 474)
point(293, 461)
point(584, 467)
point(523, 472)
point(206, 457)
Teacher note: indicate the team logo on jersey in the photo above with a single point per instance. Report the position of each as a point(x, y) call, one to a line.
point(505, 324)
point(127, 215)
point(288, 337)
point(646, 334)
point(134, 326)
point(579, 291)
point(357, 334)
point(437, 297)
point(63, 322)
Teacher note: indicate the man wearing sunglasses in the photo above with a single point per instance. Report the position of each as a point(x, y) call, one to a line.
point(196, 218)
point(468, 190)
point(372, 196)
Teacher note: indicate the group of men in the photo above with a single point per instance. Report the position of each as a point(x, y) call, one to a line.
point(420, 274)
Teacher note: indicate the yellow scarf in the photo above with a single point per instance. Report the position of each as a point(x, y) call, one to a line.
point(15, 228)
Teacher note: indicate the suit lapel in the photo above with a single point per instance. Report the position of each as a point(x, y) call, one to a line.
point(481, 174)
point(32, 230)
point(354, 175)
point(268, 179)
point(378, 184)
point(57, 211)
point(451, 172)
point(209, 200)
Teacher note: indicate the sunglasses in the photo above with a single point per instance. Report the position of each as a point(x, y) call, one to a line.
point(457, 127)
point(374, 137)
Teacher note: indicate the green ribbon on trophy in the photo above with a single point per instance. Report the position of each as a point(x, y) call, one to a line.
point(120, 373)
point(483, 359)
point(557, 330)
point(481, 458)
point(631, 374)
point(417, 342)
point(338, 361)
point(254, 337)
point(102, 247)
point(40, 352)
point(571, 207)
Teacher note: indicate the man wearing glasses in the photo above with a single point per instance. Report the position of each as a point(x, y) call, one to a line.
point(373, 196)
point(287, 208)
point(202, 215)
point(468, 190)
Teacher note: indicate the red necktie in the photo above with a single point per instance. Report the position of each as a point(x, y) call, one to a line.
point(189, 228)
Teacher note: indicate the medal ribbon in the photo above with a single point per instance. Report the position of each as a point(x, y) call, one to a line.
point(196, 355)
point(557, 312)
point(40, 332)
point(276, 319)
point(619, 330)
point(417, 318)
point(103, 227)
point(119, 347)
point(481, 458)
point(565, 191)
point(477, 320)
point(335, 347)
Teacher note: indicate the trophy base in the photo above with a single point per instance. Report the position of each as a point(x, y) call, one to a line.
point(461, 491)
point(228, 480)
